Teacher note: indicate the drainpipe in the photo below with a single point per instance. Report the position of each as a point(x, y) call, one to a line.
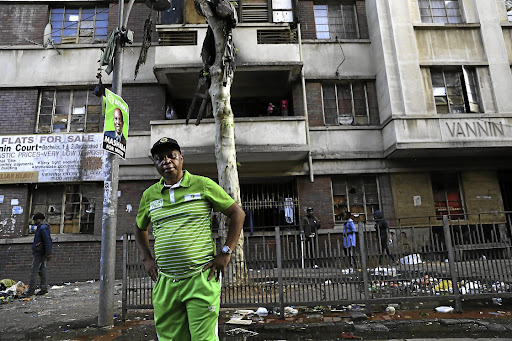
point(305, 104)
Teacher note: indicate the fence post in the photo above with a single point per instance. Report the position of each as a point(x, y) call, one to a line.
point(364, 269)
point(125, 289)
point(451, 263)
point(280, 272)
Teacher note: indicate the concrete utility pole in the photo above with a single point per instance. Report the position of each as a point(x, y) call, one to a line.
point(109, 217)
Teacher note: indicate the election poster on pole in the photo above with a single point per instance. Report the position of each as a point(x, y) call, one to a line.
point(115, 131)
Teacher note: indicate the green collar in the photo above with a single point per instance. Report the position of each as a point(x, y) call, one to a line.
point(185, 181)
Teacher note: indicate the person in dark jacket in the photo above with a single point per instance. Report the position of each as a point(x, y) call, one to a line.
point(309, 226)
point(382, 228)
point(41, 252)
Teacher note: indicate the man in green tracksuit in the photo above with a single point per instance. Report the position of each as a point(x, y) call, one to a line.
point(185, 299)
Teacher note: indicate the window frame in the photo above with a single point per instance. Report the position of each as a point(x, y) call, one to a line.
point(353, 115)
point(446, 17)
point(468, 86)
point(338, 205)
point(88, 116)
point(331, 27)
point(59, 33)
point(57, 211)
point(443, 178)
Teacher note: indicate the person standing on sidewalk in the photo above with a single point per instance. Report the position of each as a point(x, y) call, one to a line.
point(349, 237)
point(382, 228)
point(186, 301)
point(309, 228)
point(41, 252)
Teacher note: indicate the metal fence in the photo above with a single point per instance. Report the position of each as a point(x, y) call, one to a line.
point(443, 259)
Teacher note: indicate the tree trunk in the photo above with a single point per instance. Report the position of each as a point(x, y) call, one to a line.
point(225, 151)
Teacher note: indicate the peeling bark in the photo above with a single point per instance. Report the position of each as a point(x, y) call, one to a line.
point(220, 71)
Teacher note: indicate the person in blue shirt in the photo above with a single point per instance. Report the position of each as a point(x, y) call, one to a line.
point(349, 237)
point(41, 252)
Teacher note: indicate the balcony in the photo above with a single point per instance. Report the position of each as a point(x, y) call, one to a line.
point(265, 145)
point(268, 59)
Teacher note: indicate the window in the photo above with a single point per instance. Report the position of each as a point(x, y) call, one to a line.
point(63, 111)
point(81, 25)
point(455, 90)
point(356, 194)
point(66, 207)
point(335, 20)
point(349, 103)
point(440, 11)
point(447, 195)
point(270, 204)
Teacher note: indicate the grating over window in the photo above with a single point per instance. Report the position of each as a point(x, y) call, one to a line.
point(336, 21)
point(440, 11)
point(254, 11)
point(270, 204)
point(79, 25)
point(63, 111)
point(455, 90)
point(68, 208)
point(277, 36)
point(178, 38)
point(348, 104)
point(355, 194)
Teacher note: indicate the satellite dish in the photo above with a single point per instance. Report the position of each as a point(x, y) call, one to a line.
point(158, 5)
point(47, 36)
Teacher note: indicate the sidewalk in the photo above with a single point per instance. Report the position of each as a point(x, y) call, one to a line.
point(69, 312)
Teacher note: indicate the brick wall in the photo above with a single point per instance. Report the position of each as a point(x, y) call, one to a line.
point(317, 195)
point(20, 21)
point(136, 20)
point(131, 192)
point(314, 98)
point(19, 118)
point(298, 103)
point(71, 261)
point(362, 19)
point(147, 103)
point(12, 226)
point(306, 16)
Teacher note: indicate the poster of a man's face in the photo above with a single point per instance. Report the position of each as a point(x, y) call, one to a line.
point(118, 121)
point(116, 124)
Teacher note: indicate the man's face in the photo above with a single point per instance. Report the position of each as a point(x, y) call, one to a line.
point(169, 163)
point(309, 212)
point(118, 121)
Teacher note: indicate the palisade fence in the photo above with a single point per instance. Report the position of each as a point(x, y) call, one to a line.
point(441, 259)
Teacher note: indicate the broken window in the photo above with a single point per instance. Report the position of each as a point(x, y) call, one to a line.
point(447, 195)
point(335, 20)
point(440, 11)
point(351, 103)
point(62, 111)
point(356, 194)
point(455, 90)
point(79, 25)
point(68, 208)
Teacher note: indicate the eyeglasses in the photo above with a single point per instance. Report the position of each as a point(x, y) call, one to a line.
point(170, 156)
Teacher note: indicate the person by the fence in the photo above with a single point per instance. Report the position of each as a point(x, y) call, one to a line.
point(309, 227)
point(349, 237)
point(186, 300)
point(41, 252)
point(382, 228)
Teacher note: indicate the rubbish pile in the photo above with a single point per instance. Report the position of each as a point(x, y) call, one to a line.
point(10, 289)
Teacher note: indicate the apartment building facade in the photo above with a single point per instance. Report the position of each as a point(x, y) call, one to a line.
point(400, 106)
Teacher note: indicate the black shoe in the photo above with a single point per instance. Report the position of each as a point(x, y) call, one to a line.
point(42, 292)
point(27, 293)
